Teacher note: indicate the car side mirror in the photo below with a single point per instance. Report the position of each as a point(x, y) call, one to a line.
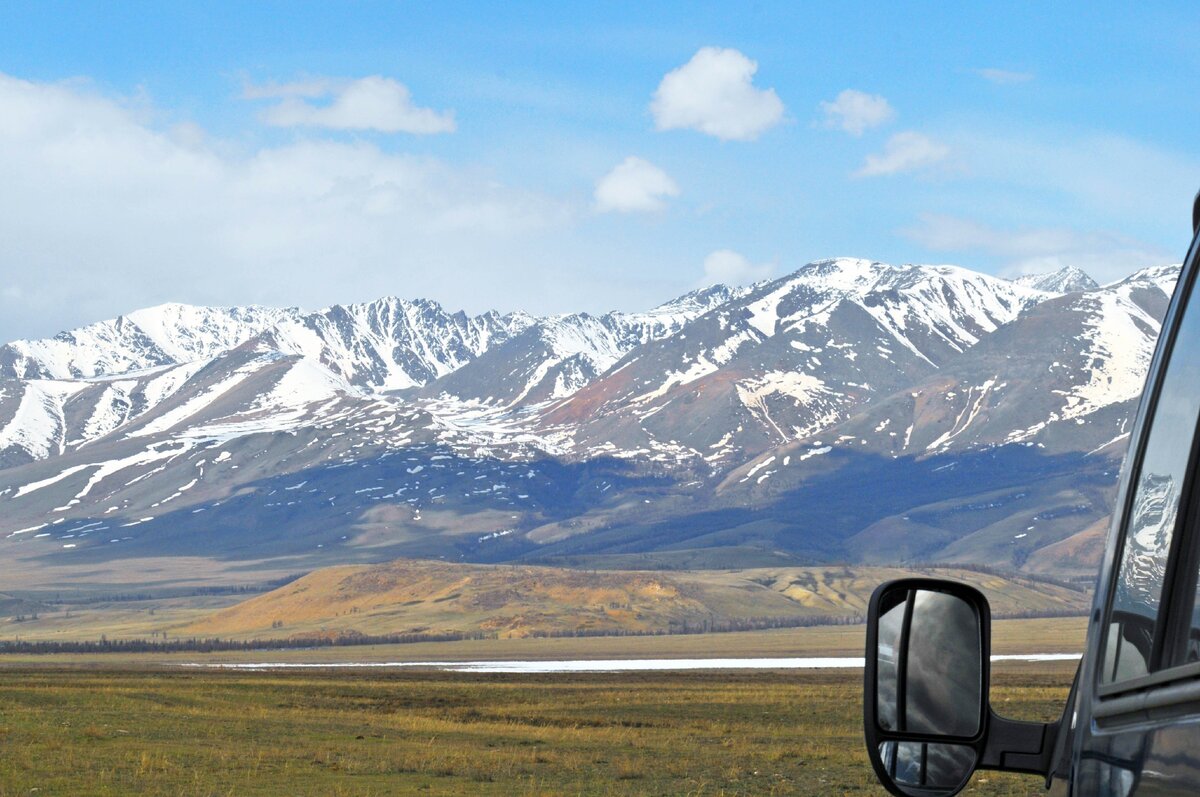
point(926, 716)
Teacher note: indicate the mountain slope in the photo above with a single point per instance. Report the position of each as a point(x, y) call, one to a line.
point(391, 344)
point(757, 419)
point(1063, 379)
point(1066, 376)
point(791, 358)
point(554, 357)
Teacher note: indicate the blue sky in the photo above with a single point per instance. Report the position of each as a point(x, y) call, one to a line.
point(541, 157)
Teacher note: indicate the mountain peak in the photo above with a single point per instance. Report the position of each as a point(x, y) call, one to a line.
point(1067, 279)
point(842, 265)
point(698, 301)
point(1164, 277)
point(164, 334)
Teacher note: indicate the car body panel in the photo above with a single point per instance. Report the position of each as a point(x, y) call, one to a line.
point(1138, 756)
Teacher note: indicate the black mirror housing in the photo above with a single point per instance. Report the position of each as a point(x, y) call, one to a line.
point(927, 720)
point(926, 678)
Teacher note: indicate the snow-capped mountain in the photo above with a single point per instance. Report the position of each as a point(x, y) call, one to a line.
point(1064, 376)
point(790, 358)
point(388, 344)
point(169, 334)
point(554, 357)
point(396, 426)
point(392, 344)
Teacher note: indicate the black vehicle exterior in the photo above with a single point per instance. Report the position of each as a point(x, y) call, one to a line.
point(1131, 726)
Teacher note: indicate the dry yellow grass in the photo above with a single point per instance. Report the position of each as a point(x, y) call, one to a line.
point(413, 596)
point(410, 596)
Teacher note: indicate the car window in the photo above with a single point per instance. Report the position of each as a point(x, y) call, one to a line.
point(1154, 514)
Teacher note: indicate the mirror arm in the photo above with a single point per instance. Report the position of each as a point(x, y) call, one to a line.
point(1014, 746)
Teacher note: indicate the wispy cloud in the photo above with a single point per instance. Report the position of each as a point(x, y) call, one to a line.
point(856, 111)
point(369, 103)
point(714, 93)
point(904, 152)
point(728, 267)
point(1004, 77)
point(1036, 250)
point(273, 90)
point(634, 185)
point(1126, 183)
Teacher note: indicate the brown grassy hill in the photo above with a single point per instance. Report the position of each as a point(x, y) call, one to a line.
point(1080, 553)
point(417, 596)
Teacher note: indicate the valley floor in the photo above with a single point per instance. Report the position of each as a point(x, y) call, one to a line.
point(141, 724)
point(82, 730)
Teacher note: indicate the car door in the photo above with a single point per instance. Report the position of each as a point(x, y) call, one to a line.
point(1137, 723)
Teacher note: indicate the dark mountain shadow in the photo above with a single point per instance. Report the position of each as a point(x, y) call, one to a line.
point(815, 520)
point(319, 516)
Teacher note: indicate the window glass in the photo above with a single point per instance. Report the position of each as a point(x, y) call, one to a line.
point(1155, 511)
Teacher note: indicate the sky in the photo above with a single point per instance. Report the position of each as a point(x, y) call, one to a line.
point(557, 157)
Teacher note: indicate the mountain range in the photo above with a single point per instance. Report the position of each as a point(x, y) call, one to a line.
point(849, 411)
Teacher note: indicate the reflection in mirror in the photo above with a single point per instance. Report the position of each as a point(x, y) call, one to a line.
point(1127, 646)
point(927, 769)
point(891, 621)
point(1157, 508)
point(929, 665)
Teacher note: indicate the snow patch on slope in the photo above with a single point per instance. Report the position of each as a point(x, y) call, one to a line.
point(1119, 349)
point(39, 425)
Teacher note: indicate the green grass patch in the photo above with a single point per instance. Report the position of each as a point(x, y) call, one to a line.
point(77, 731)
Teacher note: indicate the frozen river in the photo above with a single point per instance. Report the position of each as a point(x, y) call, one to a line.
point(604, 665)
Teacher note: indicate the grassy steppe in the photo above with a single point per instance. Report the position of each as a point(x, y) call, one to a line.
point(85, 731)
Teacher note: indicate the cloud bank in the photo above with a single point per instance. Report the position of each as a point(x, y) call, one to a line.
point(102, 213)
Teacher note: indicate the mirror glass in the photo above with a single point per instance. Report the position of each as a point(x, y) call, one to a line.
point(929, 665)
point(927, 769)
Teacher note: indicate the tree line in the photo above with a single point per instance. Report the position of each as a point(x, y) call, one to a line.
point(709, 625)
point(216, 645)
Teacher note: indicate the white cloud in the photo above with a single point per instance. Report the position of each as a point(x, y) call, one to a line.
point(1037, 250)
point(1004, 77)
point(731, 268)
point(904, 152)
point(369, 103)
point(101, 213)
point(856, 111)
point(634, 185)
point(715, 94)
